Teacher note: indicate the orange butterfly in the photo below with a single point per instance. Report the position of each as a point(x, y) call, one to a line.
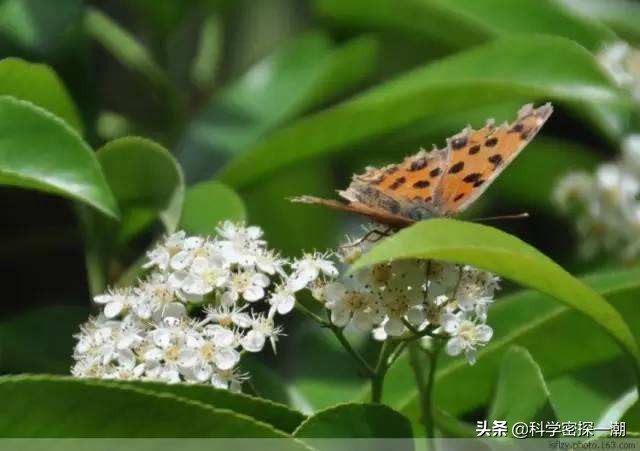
point(441, 182)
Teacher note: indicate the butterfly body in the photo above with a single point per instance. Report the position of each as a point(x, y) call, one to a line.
point(442, 182)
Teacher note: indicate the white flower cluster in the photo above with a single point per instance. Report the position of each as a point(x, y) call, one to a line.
point(622, 62)
point(407, 297)
point(605, 205)
point(234, 286)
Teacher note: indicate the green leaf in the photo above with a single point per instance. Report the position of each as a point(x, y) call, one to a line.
point(123, 46)
point(533, 321)
point(511, 402)
point(40, 85)
point(562, 70)
point(297, 76)
point(208, 203)
point(39, 151)
point(40, 27)
point(621, 15)
point(355, 421)
point(279, 416)
point(68, 407)
point(205, 63)
point(40, 340)
point(587, 393)
point(148, 184)
point(504, 254)
point(474, 21)
point(532, 177)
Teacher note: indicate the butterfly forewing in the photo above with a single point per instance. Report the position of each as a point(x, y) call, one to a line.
point(479, 156)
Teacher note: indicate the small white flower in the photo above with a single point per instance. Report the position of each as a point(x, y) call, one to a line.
point(246, 283)
point(352, 302)
point(116, 301)
point(466, 335)
point(228, 380)
point(262, 329)
point(162, 254)
point(310, 267)
point(283, 299)
point(205, 275)
point(228, 316)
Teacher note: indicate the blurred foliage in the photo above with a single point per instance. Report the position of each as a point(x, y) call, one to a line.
point(145, 116)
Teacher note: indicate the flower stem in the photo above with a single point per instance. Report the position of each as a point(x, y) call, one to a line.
point(352, 352)
point(425, 385)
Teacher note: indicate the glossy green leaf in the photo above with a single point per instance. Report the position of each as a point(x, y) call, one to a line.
point(148, 184)
point(70, 407)
point(562, 70)
point(40, 340)
point(521, 394)
point(355, 421)
point(39, 151)
point(208, 203)
point(279, 416)
point(40, 85)
point(507, 256)
point(473, 21)
point(548, 330)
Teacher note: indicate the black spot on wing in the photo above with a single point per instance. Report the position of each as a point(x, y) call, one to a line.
point(474, 149)
point(459, 166)
point(491, 142)
point(418, 164)
point(422, 184)
point(495, 159)
point(472, 178)
point(398, 183)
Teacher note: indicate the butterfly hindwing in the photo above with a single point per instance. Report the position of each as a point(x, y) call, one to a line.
point(405, 189)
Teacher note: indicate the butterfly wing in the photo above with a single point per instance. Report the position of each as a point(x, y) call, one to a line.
point(441, 182)
point(406, 189)
point(477, 157)
point(374, 214)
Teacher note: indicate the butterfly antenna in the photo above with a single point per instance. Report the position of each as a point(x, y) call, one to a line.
point(498, 218)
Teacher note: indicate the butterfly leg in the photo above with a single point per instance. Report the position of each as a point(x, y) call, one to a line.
point(373, 235)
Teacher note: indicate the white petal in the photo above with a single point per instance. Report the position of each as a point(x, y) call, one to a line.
point(181, 260)
point(174, 310)
point(253, 293)
point(241, 320)
point(103, 299)
point(379, 334)
point(363, 320)
point(253, 341)
point(223, 337)
point(286, 304)
point(484, 333)
point(454, 346)
point(260, 279)
point(394, 327)
point(450, 323)
point(340, 317)
point(327, 268)
point(226, 358)
point(113, 309)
